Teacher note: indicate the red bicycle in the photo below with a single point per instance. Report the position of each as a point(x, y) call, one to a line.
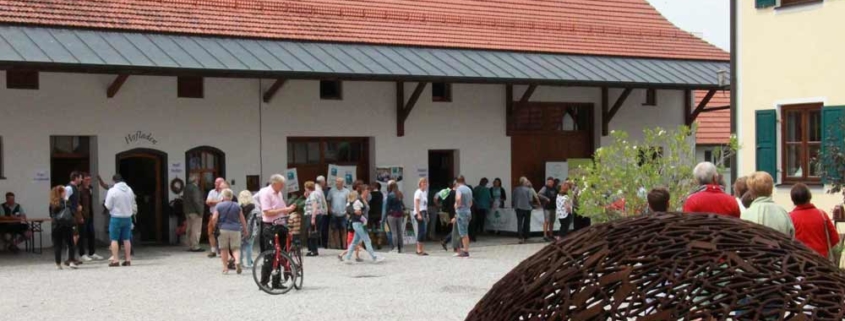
point(278, 270)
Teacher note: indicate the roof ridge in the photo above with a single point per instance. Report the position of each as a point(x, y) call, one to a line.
point(449, 19)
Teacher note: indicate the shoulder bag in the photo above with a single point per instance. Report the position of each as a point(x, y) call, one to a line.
point(64, 217)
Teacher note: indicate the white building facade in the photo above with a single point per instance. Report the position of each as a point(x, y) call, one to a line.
point(253, 135)
point(369, 84)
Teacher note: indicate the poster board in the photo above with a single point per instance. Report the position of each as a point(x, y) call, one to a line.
point(386, 173)
point(292, 181)
point(558, 170)
point(348, 173)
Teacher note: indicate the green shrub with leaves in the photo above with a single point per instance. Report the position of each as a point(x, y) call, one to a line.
point(624, 171)
point(831, 159)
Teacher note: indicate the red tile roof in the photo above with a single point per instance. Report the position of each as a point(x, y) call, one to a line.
point(714, 127)
point(631, 28)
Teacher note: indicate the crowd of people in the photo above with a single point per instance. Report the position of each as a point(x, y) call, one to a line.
point(363, 217)
point(752, 201)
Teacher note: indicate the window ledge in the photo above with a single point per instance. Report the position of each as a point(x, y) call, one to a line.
point(809, 184)
point(800, 6)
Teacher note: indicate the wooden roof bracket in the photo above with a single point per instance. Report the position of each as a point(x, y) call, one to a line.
point(268, 95)
point(693, 114)
point(607, 111)
point(115, 85)
point(509, 103)
point(403, 109)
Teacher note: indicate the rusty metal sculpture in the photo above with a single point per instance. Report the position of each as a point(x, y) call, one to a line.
point(670, 267)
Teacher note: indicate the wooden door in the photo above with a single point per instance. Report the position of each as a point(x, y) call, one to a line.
point(311, 156)
point(548, 132)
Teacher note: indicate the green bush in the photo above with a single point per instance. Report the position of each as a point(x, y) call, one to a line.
point(626, 170)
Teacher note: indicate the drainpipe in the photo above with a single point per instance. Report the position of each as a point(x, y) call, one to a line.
point(734, 111)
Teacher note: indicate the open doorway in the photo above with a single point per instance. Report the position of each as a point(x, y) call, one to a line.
point(441, 172)
point(143, 170)
point(68, 154)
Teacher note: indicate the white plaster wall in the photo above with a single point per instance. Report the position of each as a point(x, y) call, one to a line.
point(472, 123)
point(73, 104)
point(228, 118)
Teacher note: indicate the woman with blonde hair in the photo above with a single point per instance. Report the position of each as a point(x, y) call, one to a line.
point(763, 209)
point(252, 218)
point(356, 209)
point(62, 232)
point(421, 213)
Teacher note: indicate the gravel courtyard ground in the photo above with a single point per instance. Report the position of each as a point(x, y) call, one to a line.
point(168, 283)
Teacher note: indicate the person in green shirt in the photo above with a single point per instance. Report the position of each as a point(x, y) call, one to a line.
point(763, 209)
point(483, 202)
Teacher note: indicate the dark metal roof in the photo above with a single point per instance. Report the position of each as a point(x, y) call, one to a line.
point(110, 51)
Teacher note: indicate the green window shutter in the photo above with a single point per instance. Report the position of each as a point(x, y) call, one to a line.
point(832, 139)
point(767, 151)
point(765, 3)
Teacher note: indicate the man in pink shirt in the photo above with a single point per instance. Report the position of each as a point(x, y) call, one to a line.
point(273, 205)
point(274, 218)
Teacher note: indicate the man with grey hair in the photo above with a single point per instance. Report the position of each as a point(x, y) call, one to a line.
point(337, 198)
point(323, 223)
point(710, 197)
point(193, 208)
point(523, 202)
point(274, 216)
point(212, 200)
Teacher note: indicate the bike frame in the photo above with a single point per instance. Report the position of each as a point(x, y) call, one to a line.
point(278, 257)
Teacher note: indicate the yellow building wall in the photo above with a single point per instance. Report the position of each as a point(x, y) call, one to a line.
point(787, 56)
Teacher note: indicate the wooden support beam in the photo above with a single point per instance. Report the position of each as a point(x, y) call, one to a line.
point(527, 94)
point(400, 108)
point(268, 95)
point(706, 110)
point(609, 112)
point(508, 109)
point(403, 109)
point(115, 85)
point(604, 110)
point(415, 96)
point(693, 114)
point(618, 104)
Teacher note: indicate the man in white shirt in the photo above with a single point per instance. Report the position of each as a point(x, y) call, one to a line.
point(120, 201)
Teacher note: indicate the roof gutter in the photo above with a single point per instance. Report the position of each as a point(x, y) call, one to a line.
point(225, 73)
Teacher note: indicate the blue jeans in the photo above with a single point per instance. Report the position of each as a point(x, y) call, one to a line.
point(246, 250)
point(360, 235)
point(388, 234)
point(462, 222)
point(421, 225)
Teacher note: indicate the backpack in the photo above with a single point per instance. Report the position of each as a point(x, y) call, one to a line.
point(253, 222)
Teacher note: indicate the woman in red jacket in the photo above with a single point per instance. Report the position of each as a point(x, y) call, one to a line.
point(812, 226)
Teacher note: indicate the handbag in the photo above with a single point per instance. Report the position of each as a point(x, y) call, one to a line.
point(64, 217)
point(827, 237)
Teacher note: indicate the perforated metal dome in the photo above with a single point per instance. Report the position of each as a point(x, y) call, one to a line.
point(668, 267)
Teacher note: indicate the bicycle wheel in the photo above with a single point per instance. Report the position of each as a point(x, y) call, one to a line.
point(296, 256)
point(275, 281)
